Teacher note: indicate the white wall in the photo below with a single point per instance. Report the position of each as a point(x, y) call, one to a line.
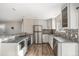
point(27, 25)
point(53, 23)
point(9, 24)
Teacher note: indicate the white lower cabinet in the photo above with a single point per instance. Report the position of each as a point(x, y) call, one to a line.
point(51, 41)
point(68, 49)
point(45, 38)
point(48, 39)
point(14, 49)
point(63, 47)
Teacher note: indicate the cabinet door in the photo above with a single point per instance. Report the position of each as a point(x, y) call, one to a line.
point(70, 49)
point(40, 37)
point(58, 22)
point(49, 23)
point(45, 38)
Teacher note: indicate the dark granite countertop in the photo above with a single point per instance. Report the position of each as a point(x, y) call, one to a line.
point(63, 39)
point(15, 40)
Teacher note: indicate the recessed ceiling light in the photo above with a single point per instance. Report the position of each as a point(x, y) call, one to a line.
point(13, 9)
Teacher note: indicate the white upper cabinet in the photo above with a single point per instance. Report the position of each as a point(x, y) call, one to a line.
point(58, 23)
point(40, 22)
point(72, 15)
point(51, 24)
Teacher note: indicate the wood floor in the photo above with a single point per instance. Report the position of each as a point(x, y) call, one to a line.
point(40, 50)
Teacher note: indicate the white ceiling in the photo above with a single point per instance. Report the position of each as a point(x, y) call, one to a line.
point(16, 11)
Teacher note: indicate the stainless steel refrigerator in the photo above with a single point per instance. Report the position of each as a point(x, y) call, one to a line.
point(37, 31)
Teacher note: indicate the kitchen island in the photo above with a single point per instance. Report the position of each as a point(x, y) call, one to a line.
point(14, 47)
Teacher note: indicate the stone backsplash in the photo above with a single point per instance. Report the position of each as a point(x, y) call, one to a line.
point(48, 31)
point(70, 34)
